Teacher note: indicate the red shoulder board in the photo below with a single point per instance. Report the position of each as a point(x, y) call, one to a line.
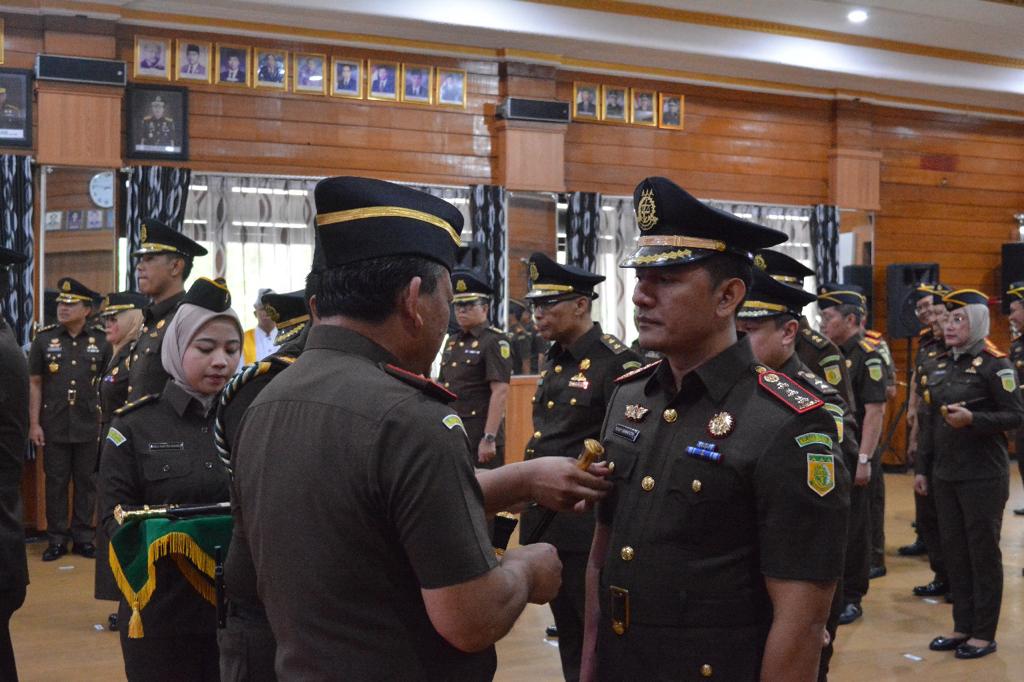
point(993, 350)
point(632, 374)
point(790, 392)
point(431, 388)
point(873, 334)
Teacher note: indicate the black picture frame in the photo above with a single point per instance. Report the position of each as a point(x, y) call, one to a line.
point(16, 108)
point(168, 141)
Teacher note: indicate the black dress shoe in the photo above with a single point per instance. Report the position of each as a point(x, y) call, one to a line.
point(551, 631)
point(916, 548)
point(54, 552)
point(851, 612)
point(86, 549)
point(967, 651)
point(946, 643)
point(112, 622)
point(876, 572)
point(1019, 512)
point(935, 588)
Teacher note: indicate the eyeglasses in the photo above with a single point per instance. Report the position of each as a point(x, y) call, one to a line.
point(546, 305)
point(466, 305)
point(957, 318)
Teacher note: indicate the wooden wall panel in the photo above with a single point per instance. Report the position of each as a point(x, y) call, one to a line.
point(519, 417)
point(531, 227)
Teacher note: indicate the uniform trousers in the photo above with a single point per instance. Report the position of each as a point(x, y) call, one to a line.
point(179, 658)
point(247, 648)
point(62, 464)
point(877, 504)
point(10, 601)
point(832, 626)
point(928, 529)
point(1020, 453)
point(569, 608)
point(855, 574)
point(970, 521)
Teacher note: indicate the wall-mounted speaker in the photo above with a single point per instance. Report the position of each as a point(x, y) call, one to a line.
point(901, 281)
point(520, 109)
point(51, 67)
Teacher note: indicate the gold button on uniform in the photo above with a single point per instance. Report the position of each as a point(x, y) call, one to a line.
point(611, 467)
point(706, 671)
point(455, 363)
point(558, 369)
point(573, 401)
point(551, 403)
point(618, 627)
point(647, 483)
point(670, 415)
point(696, 485)
point(627, 553)
point(536, 434)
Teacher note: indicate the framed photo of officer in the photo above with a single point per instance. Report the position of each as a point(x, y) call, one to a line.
point(157, 122)
point(310, 73)
point(642, 109)
point(585, 101)
point(15, 108)
point(615, 103)
point(194, 61)
point(417, 83)
point(671, 109)
point(233, 67)
point(381, 80)
point(152, 58)
point(347, 78)
point(451, 87)
point(271, 68)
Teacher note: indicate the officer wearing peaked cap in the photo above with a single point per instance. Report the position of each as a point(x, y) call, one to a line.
point(576, 383)
point(716, 460)
point(814, 349)
point(289, 312)
point(1015, 294)
point(476, 365)
point(770, 317)
point(66, 361)
point(165, 258)
point(842, 313)
point(406, 511)
point(527, 344)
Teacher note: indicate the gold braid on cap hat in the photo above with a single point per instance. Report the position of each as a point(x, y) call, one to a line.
point(387, 212)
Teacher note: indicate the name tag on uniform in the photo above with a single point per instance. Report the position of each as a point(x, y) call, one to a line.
point(158, 447)
point(627, 432)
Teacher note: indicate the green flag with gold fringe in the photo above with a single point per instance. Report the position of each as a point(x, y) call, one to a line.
point(140, 543)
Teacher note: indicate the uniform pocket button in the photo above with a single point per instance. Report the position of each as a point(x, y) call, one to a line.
point(165, 468)
point(209, 465)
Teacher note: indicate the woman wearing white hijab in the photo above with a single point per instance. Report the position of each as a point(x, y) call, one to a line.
point(160, 450)
point(972, 399)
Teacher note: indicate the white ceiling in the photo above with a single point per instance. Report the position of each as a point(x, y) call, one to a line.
point(690, 47)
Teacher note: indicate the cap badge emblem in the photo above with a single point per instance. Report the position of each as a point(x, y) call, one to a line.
point(646, 215)
point(142, 233)
point(66, 286)
point(271, 312)
point(534, 274)
point(977, 361)
point(460, 286)
point(759, 262)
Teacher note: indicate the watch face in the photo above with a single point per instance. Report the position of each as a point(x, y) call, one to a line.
point(101, 189)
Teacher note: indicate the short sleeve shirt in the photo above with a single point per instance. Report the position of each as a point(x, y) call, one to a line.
point(471, 361)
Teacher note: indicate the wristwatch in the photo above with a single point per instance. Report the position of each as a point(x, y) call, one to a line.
point(490, 438)
point(863, 459)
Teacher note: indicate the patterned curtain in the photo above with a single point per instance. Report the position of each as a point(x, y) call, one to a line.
point(825, 242)
point(16, 234)
point(156, 192)
point(487, 212)
point(582, 222)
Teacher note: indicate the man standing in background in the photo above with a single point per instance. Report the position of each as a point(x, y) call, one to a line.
point(258, 342)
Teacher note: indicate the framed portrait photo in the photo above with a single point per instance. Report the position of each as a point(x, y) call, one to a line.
point(642, 107)
point(310, 73)
point(194, 61)
point(615, 103)
point(585, 101)
point(381, 80)
point(157, 122)
point(451, 87)
point(233, 65)
point(15, 108)
point(152, 58)
point(1, 41)
point(347, 77)
point(417, 83)
point(271, 68)
point(671, 109)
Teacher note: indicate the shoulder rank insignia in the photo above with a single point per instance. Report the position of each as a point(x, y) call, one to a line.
point(128, 407)
point(867, 345)
point(993, 350)
point(47, 328)
point(613, 344)
point(431, 388)
point(871, 333)
point(789, 392)
point(820, 385)
point(816, 339)
point(821, 472)
point(640, 371)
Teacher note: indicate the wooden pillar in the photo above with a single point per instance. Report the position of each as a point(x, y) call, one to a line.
point(854, 160)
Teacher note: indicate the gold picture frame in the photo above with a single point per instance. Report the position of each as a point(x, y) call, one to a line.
point(151, 58)
point(233, 76)
point(2, 41)
point(198, 71)
point(387, 90)
point(642, 111)
point(416, 90)
point(310, 73)
point(450, 86)
point(262, 77)
point(615, 103)
point(671, 117)
point(585, 106)
point(353, 87)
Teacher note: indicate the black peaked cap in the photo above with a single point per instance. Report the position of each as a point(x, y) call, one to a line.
point(784, 268)
point(208, 293)
point(469, 285)
point(549, 279)
point(72, 291)
point(769, 297)
point(156, 237)
point(120, 301)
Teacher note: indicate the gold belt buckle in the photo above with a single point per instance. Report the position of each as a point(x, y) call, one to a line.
point(72, 394)
point(619, 609)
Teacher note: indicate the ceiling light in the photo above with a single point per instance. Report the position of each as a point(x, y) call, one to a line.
point(857, 16)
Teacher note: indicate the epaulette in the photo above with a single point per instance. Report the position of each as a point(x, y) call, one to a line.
point(925, 332)
point(871, 333)
point(613, 344)
point(789, 392)
point(993, 350)
point(816, 339)
point(431, 388)
point(289, 334)
point(128, 407)
point(498, 330)
point(47, 327)
point(817, 383)
point(867, 345)
point(639, 371)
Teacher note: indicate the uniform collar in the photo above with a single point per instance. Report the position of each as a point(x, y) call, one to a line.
point(178, 398)
point(476, 331)
point(791, 366)
point(851, 343)
point(580, 347)
point(975, 350)
point(718, 375)
point(155, 311)
point(332, 337)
